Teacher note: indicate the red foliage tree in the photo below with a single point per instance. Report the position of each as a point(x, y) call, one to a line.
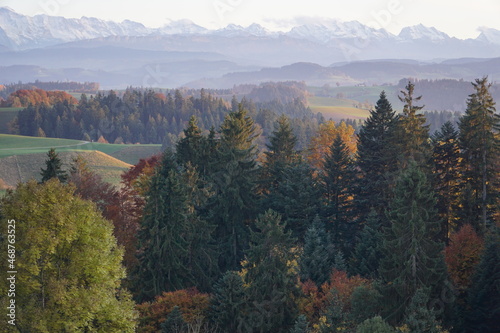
point(462, 256)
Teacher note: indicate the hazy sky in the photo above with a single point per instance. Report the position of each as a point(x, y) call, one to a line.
point(458, 18)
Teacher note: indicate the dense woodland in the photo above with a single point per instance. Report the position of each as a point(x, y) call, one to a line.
point(390, 229)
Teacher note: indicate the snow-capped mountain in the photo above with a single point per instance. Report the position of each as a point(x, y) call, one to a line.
point(422, 32)
point(181, 27)
point(489, 35)
point(19, 31)
point(324, 32)
point(238, 30)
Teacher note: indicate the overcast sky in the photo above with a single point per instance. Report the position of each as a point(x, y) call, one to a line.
point(458, 18)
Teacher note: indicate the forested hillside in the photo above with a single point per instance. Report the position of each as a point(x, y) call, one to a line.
point(391, 229)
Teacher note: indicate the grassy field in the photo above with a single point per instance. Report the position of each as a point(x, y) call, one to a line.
point(336, 108)
point(11, 145)
point(7, 115)
point(21, 157)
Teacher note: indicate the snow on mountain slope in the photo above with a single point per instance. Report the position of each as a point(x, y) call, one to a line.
point(422, 32)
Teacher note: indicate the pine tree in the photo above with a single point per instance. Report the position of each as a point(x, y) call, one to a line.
point(174, 322)
point(480, 147)
point(367, 253)
point(234, 176)
point(163, 243)
point(53, 168)
point(483, 314)
point(412, 258)
point(301, 325)
point(271, 279)
point(337, 188)
point(228, 303)
point(188, 149)
point(419, 318)
point(296, 198)
point(376, 159)
point(318, 257)
point(412, 135)
point(281, 152)
point(446, 162)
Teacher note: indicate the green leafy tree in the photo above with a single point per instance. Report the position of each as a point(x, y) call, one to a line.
point(375, 325)
point(337, 187)
point(483, 314)
point(366, 301)
point(413, 134)
point(53, 168)
point(67, 261)
point(480, 147)
point(228, 303)
point(412, 258)
point(318, 257)
point(376, 159)
point(272, 281)
point(367, 253)
point(446, 161)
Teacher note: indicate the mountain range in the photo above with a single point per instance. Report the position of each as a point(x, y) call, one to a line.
point(182, 53)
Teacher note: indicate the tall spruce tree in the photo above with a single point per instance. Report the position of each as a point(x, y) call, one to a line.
point(337, 188)
point(412, 258)
point(296, 197)
point(272, 281)
point(318, 257)
point(480, 147)
point(446, 167)
point(163, 244)
point(376, 159)
point(53, 168)
point(281, 152)
point(367, 253)
point(412, 133)
point(234, 177)
point(189, 148)
point(228, 303)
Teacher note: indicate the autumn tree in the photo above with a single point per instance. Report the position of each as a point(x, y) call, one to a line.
point(68, 264)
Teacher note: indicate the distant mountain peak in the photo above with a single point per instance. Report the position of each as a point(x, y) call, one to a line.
point(489, 35)
point(420, 31)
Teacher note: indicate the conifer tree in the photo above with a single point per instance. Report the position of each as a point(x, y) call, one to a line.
point(480, 147)
point(297, 198)
point(234, 176)
point(418, 317)
point(412, 134)
point(163, 243)
point(338, 185)
point(53, 168)
point(318, 256)
point(228, 303)
point(376, 159)
point(281, 152)
point(271, 279)
point(375, 325)
point(412, 258)
point(301, 325)
point(367, 253)
point(446, 167)
point(483, 314)
point(174, 322)
point(189, 148)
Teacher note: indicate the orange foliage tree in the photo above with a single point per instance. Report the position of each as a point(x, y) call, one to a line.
point(321, 143)
point(462, 256)
point(24, 97)
point(192, 304)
